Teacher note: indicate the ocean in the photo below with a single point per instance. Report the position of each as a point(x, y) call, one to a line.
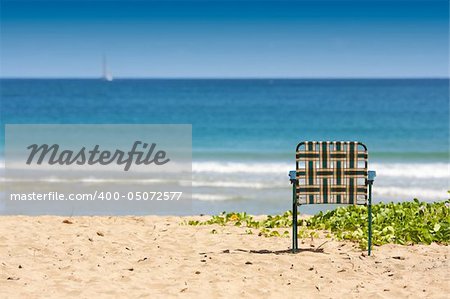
point(245, 131)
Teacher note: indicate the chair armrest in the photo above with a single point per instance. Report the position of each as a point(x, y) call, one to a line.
point(293, 176)
point(371, 175)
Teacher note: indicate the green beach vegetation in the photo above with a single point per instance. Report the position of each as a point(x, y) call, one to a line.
point(400, 223)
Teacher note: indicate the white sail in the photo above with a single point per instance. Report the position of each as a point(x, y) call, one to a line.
point(107, 76)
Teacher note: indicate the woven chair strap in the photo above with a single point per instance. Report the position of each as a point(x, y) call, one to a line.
point(331, 172)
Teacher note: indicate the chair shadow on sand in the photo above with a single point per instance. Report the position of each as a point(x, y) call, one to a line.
point(277, 252)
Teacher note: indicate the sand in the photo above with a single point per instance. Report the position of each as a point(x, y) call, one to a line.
point(156, 257)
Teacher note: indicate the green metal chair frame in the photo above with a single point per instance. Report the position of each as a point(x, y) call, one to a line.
point(331, 172)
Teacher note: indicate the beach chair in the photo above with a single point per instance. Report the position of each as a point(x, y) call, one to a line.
point(331, 172)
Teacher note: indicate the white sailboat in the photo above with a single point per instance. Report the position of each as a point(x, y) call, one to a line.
point(107, 76)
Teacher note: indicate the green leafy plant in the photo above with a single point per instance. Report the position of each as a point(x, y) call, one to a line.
point(400, 223)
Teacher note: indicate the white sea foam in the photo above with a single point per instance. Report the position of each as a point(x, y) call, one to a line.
point(211, 197)
point(408, 192)
point(89, 180)
point(405, 170)
point(413, 170)
point(235, 184)
point(395, 181)
point(93, 180)
point(239, 167)
point(224, 181)
point(173, 167)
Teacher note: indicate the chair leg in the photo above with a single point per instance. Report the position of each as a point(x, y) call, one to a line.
point(294, 220)
point(369, 208)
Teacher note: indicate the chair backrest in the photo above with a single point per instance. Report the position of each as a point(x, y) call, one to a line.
point(331, 172)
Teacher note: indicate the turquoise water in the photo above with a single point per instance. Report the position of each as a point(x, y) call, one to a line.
point(245, 131)
point(267, 116)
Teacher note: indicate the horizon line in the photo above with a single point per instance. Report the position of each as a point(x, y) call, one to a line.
point(223, 78)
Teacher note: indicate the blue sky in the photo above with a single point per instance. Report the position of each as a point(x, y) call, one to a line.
point(225, 39)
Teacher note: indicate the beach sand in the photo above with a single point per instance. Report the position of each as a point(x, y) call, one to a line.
point(156, 257)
